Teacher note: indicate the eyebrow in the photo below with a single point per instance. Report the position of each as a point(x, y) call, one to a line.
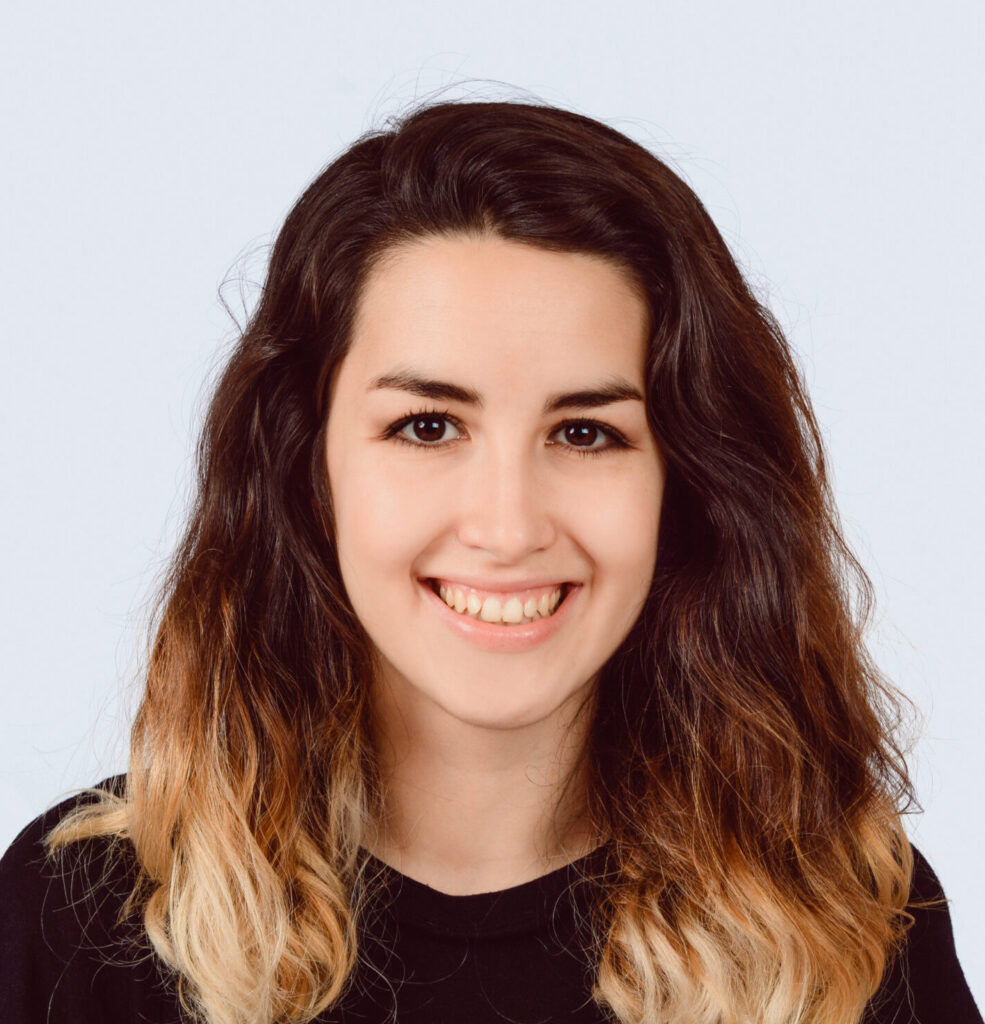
point(614, 389)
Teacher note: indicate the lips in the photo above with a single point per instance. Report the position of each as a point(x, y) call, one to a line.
point(502, 595)
point(500, 608)
point(501, 637)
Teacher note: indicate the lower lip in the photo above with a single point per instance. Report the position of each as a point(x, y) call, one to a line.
point(491, 636)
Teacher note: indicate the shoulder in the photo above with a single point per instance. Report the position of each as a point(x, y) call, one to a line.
point(66, 942)
point(925, 982)
point(35, 886)
point(31, 837)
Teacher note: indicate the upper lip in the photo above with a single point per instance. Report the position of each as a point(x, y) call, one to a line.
point(503, 586)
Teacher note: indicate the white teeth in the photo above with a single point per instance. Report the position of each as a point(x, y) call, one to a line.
point(494, 610)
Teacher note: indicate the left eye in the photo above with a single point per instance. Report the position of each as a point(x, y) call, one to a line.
point(427, 430)
point(581, 431)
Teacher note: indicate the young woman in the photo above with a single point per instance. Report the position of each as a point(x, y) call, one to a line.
point(509, 668)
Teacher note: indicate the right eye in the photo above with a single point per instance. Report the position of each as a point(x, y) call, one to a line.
point(422, 429)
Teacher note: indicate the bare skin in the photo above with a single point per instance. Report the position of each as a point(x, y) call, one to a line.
point(477, 745)
point(477, 812)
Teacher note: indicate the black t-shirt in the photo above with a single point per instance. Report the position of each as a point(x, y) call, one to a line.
point(518, 955)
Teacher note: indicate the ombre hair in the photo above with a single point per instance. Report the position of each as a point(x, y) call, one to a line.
point(742, 754)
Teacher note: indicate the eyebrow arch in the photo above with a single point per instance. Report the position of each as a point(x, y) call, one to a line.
point(614, 389)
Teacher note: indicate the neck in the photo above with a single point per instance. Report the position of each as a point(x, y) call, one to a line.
point(475, 809)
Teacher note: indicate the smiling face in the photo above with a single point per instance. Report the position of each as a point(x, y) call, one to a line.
point(494, 487)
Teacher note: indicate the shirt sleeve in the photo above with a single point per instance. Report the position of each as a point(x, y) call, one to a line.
point(67, 956)
point(924, 984)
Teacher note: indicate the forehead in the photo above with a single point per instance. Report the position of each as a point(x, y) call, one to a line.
point(500, 310)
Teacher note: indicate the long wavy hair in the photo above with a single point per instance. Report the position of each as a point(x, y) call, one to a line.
point(742, 753)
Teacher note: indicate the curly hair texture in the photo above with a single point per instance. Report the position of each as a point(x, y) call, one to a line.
point(743, 756)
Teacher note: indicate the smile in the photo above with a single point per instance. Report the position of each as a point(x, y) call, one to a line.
point(526, 633)
point(502, 608)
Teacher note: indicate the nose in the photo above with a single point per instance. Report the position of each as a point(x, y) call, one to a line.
point(508, 504)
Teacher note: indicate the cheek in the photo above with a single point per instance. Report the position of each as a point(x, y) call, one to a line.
point(621, 522)
point(383, 520)
point(627, 564)
point(387, 518)
point(629, 568)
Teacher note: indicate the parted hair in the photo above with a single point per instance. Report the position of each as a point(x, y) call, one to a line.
point(743, 753)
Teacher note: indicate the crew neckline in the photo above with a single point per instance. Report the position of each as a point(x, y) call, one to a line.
point(517, 909)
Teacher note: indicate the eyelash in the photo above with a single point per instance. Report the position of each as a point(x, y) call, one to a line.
point(393, 431)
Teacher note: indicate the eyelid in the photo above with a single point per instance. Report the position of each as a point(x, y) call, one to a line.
point(617, 439)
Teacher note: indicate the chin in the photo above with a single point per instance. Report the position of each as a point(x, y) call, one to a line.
point(501, 718)
point(495, 706)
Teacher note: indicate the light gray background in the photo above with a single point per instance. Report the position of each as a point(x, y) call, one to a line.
point(151, 150)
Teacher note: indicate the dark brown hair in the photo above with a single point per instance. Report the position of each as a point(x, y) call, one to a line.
point(742, 753)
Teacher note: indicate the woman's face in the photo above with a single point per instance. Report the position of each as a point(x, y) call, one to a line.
point(488, 481)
